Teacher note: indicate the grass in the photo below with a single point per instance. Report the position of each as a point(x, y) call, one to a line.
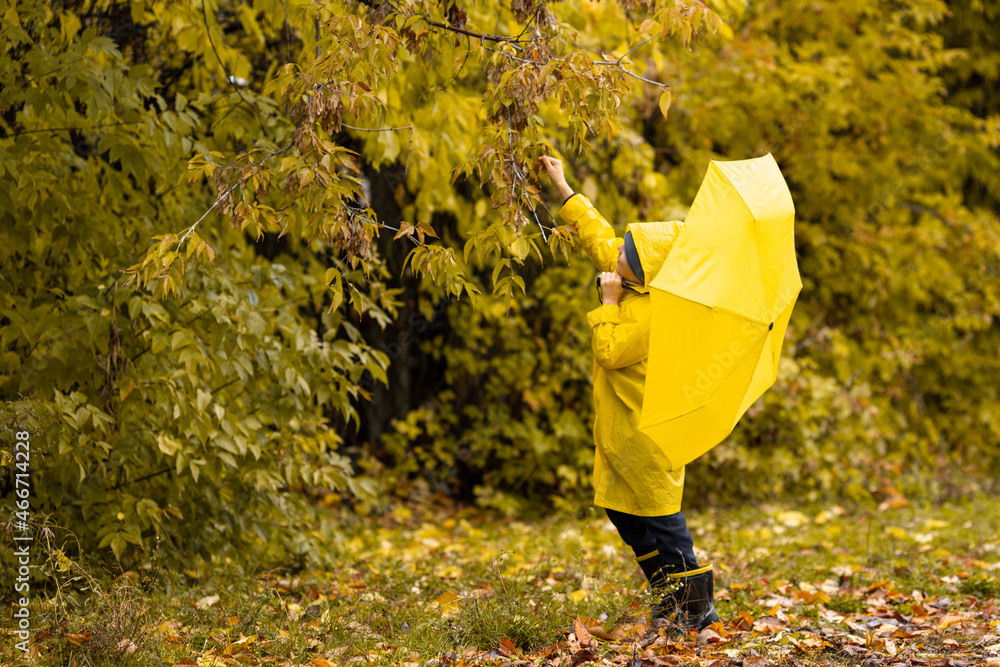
point(441, 585)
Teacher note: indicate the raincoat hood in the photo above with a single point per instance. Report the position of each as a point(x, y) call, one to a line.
point(653, 242)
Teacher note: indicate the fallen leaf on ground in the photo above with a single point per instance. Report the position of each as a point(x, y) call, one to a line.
point(668, 660)
point(507, 647)
point(742, 622)
point(950, 620)
point(708, 635)
point(582, 634)
point(127, 646)
point(601, 633)
point(792, 519)
point(207, 601)
point(448, 603)
point(768, 624)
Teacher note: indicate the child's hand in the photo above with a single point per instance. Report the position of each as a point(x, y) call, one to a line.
point(554, 168)
point(611, 288)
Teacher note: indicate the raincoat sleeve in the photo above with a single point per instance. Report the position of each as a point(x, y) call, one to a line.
point(616, 343)
point(596, 235)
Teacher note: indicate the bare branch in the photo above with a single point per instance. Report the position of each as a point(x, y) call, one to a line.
point(229, 77)
point(481, 36)
point(68, 129)
point(640, 44)
point(513, 41)
point(409, 146)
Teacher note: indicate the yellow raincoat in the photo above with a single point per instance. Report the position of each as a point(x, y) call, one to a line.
point(631, 474)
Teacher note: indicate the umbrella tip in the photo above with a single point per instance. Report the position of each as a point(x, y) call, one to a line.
point(771, 326)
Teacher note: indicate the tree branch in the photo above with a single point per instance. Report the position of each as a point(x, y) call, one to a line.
point(618, 64)
point(224, 385)
point(68, 129)
point(513, 41)
point(229, 77)
point(625, 55)
point(355, 213)
point(481, 36)
point(190, 230)
point(604, 63)
point(916, 208)
point(409, 147)
point(141, 479)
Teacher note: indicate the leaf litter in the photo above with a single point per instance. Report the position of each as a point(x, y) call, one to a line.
point(442, 585)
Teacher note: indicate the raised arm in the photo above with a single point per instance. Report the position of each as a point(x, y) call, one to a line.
point(596, 236)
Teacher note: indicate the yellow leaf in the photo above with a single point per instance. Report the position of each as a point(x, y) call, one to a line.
point(665, 102)
point(321, 662)
point(578, 596)
point(897, 532)
point(811, 597)
point(448, 603)
point(450, 572)
point(950, 620)
point(193, 243)
point(240, 645)
point(823, 517)
point(649, 25)
point(446, 598)
point(164, 628)
point(792, 519)
point(427, 229)
point(404, 229)
point(743, 622)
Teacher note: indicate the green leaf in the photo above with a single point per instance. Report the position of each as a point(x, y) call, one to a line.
point(118, 545)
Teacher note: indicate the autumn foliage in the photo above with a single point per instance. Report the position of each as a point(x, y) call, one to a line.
point(263, 256)
point(890, 586)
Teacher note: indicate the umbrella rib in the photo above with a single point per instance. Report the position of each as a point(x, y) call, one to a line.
point(754, 218)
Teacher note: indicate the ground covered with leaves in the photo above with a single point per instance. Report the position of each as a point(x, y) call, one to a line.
point(438, 585)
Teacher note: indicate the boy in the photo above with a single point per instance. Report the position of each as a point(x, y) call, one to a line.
point(633, 481)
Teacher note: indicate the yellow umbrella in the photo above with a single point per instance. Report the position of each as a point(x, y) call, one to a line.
point(720, 306)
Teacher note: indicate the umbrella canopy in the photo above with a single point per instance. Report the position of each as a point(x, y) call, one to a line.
point(720, 306)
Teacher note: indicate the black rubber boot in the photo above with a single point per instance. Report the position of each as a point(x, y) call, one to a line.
point(694, 594)
point(657, 568)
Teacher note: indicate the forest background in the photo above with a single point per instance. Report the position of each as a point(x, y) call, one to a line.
point(261, 259)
